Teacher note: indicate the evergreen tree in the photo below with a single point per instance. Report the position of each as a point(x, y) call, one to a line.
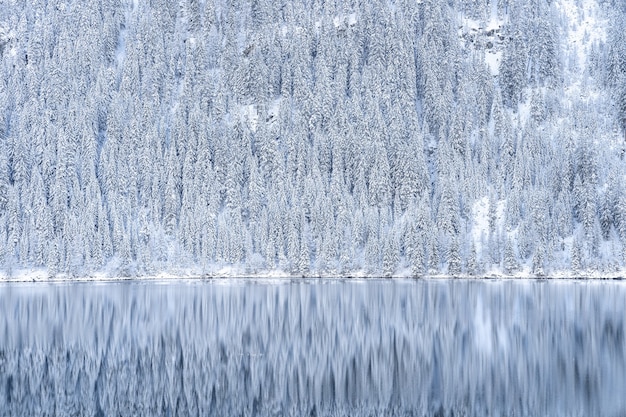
point(454, 259)
point(576, 258)
point(538, 261)
point(417, 256)
point(509, 262)
point(304, 255)
point(433, 258)
point(390, 258)
point(140, 136)
point(513, 68)
point(472, 262)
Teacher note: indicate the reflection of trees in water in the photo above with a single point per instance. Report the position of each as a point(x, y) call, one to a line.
point(334, 349)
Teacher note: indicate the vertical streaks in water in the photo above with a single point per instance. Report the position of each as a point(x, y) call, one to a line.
point(324, 348)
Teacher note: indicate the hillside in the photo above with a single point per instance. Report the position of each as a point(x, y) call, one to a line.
point(306, 138)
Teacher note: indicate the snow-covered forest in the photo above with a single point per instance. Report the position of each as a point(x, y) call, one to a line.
point(313, 137)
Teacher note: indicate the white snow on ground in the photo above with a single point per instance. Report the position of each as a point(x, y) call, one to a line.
point(480, 221)
point(295, 30)
point(6, 36)
point(585, 26)
point(340, 22)
point(493, 60)
point(344, 20)
point(477, 30)
point(273, 113)
point(523, 111)
point(250, 115)
point(276, 276)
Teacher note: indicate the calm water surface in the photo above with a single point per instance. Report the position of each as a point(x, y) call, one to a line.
point(313, 347)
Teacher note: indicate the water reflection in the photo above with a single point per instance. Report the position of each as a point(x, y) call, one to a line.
point(371, 347)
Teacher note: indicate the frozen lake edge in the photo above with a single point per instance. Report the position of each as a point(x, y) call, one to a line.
point(286, 279)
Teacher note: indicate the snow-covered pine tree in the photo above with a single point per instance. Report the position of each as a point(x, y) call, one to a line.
point(513, 67)
point(433, 257)
point(304, 256)
point(539, 261)
point(509, 262)
point(417, 255)
point(576, 258)
point(454, 258)
point(132, 120)
point(473, 268)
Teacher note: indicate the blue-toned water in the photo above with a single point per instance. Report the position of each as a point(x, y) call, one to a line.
point(313, 347)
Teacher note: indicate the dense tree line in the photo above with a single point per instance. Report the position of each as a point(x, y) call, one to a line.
point(315, 137)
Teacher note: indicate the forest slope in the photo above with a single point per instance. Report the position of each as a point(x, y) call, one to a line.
point(260, 137)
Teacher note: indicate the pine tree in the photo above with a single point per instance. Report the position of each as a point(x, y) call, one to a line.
point(513, 68)
point(538, 261)
point(510, 263)
point(433, 258)
point(286, 136)
point(620, 100)
point(526, 238)
point(171, 194)
point(328, 253)
point(576, 258)
point(4, 176)
point(454, 259)
point(388, 266)
point(544, 55)
point(417, 256)
point(606, 214)
point(472, 262)
point(390, 255)
point(448, 211)
point(304, 255)
point(380, 183)
point(492, 214)
point(42, 219)
point(372, 253)
point(293, 246)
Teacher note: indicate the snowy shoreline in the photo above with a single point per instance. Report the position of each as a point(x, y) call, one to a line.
point(278, 276)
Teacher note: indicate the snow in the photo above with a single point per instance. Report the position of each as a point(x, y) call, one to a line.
point(273, 113)
point(249, 114)
point(586, 26)
point(493, 60)
point(339, 21)
point(6, 36)
point(523, 111)
point(480, 221)
point(234, 274)
point(479, 34)
point(286, 30)
point(344, 20)
point(480, 225)
point(581, 26)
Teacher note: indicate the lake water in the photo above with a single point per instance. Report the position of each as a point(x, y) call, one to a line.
point(313, 347)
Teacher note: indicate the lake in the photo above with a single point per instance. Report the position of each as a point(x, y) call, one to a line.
point(313, 347)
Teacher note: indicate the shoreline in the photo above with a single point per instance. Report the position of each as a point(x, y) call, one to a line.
point(286, 278)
